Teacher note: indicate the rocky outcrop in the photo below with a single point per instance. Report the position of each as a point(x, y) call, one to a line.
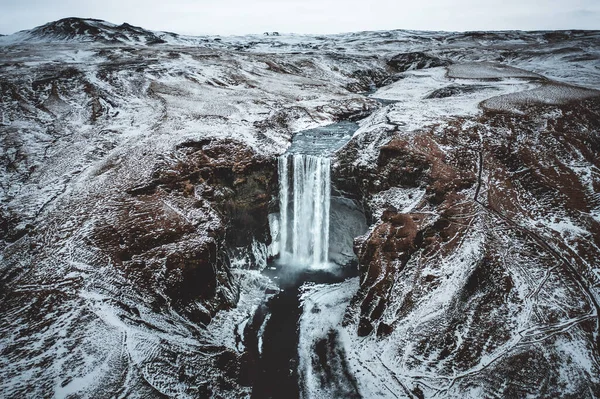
point(416, 60)
point(352, 110)
point(236, 180)
point(415, 162)
point(167, 236)
point(369, 80)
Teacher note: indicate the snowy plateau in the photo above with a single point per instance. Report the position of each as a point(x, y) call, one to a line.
point(150, 187)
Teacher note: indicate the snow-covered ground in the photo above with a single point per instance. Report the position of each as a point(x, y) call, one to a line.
point(88, 117)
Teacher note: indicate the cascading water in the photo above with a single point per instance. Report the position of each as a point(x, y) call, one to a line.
point(301, 235)
point(304, 218)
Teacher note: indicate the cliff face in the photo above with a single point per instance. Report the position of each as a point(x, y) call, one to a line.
point(501, 235)
point(171, 235)
point(138, 177)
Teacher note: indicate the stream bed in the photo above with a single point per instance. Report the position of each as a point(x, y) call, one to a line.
point(277, 368)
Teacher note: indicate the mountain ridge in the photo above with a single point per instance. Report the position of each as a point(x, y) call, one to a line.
point(90, 30)
point(82, 29)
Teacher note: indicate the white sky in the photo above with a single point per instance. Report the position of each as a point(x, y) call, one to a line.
point(308, 16)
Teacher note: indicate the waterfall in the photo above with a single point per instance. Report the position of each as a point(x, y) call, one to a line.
point(304, 220)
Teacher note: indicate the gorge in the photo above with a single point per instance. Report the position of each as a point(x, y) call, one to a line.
point(302, 238)
point(393, 214)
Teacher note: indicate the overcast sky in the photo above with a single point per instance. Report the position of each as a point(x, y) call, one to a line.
point(309, 16)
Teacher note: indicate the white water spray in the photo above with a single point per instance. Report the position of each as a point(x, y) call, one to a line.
point(308, 219)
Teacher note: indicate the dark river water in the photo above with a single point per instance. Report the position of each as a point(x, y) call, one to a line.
point(277, 371)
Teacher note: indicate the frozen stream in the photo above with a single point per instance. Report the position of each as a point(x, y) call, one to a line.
point(313, 230)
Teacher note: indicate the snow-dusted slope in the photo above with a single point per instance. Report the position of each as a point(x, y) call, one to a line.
point(138, 171)
point(479, 276)
point(103, 225)
point(88, 30)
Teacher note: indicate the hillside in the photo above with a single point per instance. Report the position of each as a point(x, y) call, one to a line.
point(140, 184)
